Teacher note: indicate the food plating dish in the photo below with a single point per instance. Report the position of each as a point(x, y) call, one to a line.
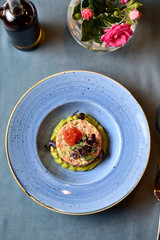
point(31, 125)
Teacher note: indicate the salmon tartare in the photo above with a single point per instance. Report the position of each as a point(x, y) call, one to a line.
point(78, 143)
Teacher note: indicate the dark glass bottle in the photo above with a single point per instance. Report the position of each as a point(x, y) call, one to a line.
point(21, 24)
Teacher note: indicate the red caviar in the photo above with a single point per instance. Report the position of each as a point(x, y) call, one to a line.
point(71, 135)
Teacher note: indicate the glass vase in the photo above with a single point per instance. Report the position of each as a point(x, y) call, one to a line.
point(75, 30)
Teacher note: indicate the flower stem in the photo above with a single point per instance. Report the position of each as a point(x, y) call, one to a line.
point(116, 3)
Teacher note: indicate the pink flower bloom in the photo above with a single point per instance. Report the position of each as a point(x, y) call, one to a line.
point(87, 14)
point(118, 35)
point(135, 14)
point(124, 1)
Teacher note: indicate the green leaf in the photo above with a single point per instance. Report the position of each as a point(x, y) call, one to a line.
point(122, 7)
point(91, 5)
point(102, 21)
point(110, 19)
point(131, 8)
point(99, 6)
point(114, 19)
point(94, 150)
point(73, 148)
point(77, 16)
point(81, 144)
point(89, 30)
point(137, 5)
point(99, 35)
point(76, 11)
point(95, 4)
point(85, 3)
point(88, 157)
point(129, 21)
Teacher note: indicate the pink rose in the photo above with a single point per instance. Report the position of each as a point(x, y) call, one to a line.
point(87, 14)
point(118, 35)
point(135, 14)
point(124, 1)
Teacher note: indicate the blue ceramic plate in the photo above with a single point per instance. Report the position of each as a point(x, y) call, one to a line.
point(33, 120)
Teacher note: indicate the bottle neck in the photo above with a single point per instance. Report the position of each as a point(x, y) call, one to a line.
point(10, 13)
point(15, 7)
point(17, 11)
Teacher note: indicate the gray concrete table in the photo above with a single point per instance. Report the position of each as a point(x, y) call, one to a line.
point(137, 67)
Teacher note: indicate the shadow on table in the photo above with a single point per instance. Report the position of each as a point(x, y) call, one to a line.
point(51, 33)
point(149, 25)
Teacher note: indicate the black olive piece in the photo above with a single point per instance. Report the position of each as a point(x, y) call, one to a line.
point(89, 141)
point(76, 151)
point(93, 136)
point(83, 153)
point(73, 155)
point(79, 150)
point(81, 116)
point(50, 144)
point(88, 148)
point(93, 140)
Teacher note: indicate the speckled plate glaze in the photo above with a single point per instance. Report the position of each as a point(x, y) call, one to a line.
point(33, 120)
